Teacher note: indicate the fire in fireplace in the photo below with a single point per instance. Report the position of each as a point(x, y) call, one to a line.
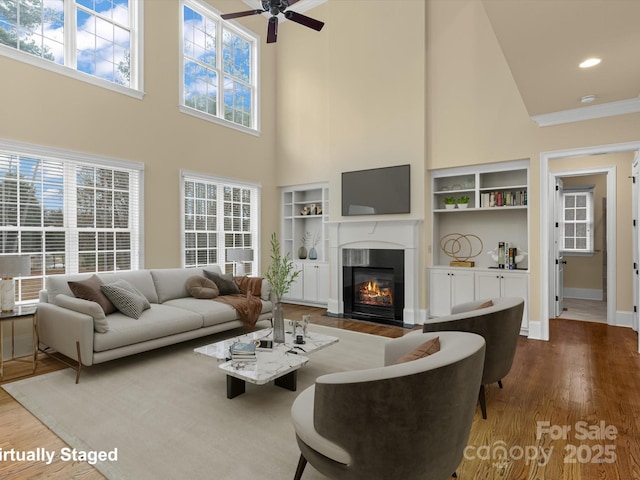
point(373, 285)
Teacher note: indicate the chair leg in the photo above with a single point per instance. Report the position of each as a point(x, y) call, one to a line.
point(500, 383)
point(301, 464)
point(483, 403)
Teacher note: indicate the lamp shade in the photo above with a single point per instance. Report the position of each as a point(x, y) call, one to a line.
point(239, 254)
point(14, 266)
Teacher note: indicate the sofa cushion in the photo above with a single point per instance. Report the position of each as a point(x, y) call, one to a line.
point(80, 305)
point(201, 287)
point(423, 350)
point(125, 300)
point(89, 289)
point(225, 282)
point(157, 322)
point(171, 283)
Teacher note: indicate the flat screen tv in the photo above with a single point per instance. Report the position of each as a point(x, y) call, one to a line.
point(377, 191)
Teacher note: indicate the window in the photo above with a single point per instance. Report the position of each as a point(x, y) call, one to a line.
point(219, 69)
point(70, 213)
point(219, 214)
point(578, 220)
point(100, 38)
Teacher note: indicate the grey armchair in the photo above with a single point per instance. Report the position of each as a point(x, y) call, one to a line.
point(411, 420)
point(499, 325)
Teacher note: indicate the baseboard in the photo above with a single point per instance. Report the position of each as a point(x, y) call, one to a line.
point(624, 319)
point(584, 293)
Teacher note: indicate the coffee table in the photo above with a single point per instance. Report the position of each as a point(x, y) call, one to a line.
point(280, 364)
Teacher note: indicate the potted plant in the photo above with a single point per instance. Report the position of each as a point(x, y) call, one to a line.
point(449, 203)
point(463, 202)
point(281, 274)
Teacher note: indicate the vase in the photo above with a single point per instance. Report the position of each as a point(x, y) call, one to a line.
point(313, 255)
point(302, 253)
point(278, 322)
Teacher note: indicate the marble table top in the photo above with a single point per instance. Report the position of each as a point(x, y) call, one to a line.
point(269, 365)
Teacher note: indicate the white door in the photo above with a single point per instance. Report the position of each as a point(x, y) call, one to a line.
point(636, 240)
point(557, 243)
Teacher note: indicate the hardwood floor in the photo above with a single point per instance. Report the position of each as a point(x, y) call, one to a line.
point(587, 372)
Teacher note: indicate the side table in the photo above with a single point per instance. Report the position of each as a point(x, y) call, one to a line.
point(20, 312)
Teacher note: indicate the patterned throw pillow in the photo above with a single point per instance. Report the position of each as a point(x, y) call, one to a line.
point(225, 282)
point(127, 286)
point(89, 289)
point(424, 350)
point(131, 304)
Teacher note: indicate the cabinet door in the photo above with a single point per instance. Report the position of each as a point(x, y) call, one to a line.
point(514, 285)
point(316, 282)
point(323, 282)
point(462, 287)
point(489, 285)
point(296, 291)
point(439, 293)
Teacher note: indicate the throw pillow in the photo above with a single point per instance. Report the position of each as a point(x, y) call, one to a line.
point(424, 350)
point(89, 289)
point(225, 282)
point(125, 301)
point(201, 287)
point(486, 304)
point(127, 286)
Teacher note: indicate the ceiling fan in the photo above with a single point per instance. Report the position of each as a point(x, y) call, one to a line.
point(276, 7)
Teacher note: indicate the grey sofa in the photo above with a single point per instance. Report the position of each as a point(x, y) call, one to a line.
point(66, 323)
point(406, 421)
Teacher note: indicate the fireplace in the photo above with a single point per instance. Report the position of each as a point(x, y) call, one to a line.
point(373, 283)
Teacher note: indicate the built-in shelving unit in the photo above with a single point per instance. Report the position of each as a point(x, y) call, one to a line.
point(497, 211)
point(305, 210)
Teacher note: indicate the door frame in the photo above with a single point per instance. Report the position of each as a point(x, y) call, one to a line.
point(546, 233)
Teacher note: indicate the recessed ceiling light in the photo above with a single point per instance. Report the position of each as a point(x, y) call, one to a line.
point(590, 62)
point(588, 98)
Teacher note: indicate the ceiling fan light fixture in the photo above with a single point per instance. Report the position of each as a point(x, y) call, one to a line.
point(590, 62)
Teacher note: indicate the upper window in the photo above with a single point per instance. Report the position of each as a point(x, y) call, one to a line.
point(70, 213)
point(100, 38)
point(578, 220)
point(219, 68)
point(219, 214)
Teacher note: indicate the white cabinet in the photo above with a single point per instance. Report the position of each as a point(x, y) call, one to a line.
point(449, 287)
point(296, 291)
point(316, 282)
point(502, 283)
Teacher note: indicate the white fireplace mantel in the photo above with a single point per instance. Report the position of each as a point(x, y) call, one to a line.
point(377, 234)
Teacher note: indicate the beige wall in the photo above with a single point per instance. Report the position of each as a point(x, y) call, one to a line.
point(48, 109)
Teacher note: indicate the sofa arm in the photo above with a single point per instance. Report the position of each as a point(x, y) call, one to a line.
point(60, 328)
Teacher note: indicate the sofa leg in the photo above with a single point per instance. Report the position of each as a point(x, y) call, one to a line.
point(301, 464)
point(483, 403)
point(79, 366)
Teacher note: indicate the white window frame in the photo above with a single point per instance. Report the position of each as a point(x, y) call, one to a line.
point(70, 160)
point(136, 89)
point(214, 15)
point(588, 193)
point(220, 182)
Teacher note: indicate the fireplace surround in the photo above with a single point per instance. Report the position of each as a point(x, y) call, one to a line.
point(348, 237)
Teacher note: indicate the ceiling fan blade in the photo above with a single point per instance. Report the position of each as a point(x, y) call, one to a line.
point(272, 30)
point(246, 13)
point(304, 20)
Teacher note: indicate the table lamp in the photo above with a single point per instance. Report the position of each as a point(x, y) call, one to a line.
point(11, 266)
point(238, 256)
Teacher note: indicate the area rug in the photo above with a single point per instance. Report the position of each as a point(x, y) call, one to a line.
point(167, 414)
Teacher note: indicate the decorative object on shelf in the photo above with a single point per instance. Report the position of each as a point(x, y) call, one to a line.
point(281, 274)
point(305, 211)
point(507, 256)
point(238, 256)
point(312, 209)
point(302, 251)
point(318, 209)
point(449, 203)
point(11, 266)
point(313, 254)
point(463, 202)
point(461, 247)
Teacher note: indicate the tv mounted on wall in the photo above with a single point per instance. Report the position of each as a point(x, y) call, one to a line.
point(377, 191)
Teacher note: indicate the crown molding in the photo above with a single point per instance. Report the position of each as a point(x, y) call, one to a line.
point(588, 113)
